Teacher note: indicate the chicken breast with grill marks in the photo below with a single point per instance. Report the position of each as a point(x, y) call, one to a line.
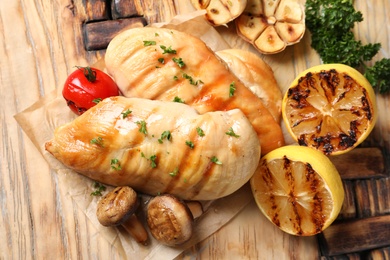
point(160, 147)
point(165, 64)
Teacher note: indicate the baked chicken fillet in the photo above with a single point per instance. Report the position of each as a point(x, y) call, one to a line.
point(160, 147)
point(165, 64)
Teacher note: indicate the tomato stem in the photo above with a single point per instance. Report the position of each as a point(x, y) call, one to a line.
point(89, 73)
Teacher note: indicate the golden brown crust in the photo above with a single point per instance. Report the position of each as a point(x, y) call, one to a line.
point(257, 76)
point(204, 82)
point(131, 150)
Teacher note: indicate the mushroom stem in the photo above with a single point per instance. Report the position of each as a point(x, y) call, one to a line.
point(118, 208)
point(135, 228)
point(196, 208)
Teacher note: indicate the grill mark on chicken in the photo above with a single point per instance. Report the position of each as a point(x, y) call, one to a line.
point(201, 64)
point(123, 141)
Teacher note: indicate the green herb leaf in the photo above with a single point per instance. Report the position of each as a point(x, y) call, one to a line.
point(232, 133)
point(126, 113)
point(98, 141)
point(174, 172)
point(115, 164)
point(178, 100)
point(167, 50)
point(142, 127)
point(192, 81)
point(152, 159)
point(179, 62)
point(330, 23)
point(379, 75)
point(190, 144)
point(200, 131)
point(165, 135)
point(96, 100)
point(161, 60)
point(215, 160)
point(149, 43)
point(99, 188)
point(232, 89)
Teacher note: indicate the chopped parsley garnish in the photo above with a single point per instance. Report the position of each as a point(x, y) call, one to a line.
point(192, 81)
point(115, 164)
point(161, 60)
point(179, 62)
point(232, 89)
point(215, 160)
point(175, 78)
point(149, 43)
point(142, 127)
point(200, 131)
point(190, 144)
point(167, 50)
point(178, 100)
point(99, 188)
point(126, 113)
point(232, 133)
point(98, 141)
point(174, 172)
point(96, 100)
point(165, 135)
point(152, 159)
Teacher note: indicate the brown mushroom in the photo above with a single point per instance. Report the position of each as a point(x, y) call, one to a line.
point(117, 208)
point(170, 219)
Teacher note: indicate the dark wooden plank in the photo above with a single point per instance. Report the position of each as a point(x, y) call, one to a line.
point(125, 9)
point(354, 256)
point(96, 10)
point(348, 210)
point(358, 235)
point(380, 253)
point(360, 163)
point(372, 197)
point(98, 35)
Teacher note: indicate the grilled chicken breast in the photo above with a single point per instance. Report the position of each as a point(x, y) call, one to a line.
point(160, 147)
point(257, 76)
point(165, 64)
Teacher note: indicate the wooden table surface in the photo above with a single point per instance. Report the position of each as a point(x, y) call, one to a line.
point(40, 43)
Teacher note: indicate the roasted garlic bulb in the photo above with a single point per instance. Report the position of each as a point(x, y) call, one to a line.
point(220, 12)
point(271, 25)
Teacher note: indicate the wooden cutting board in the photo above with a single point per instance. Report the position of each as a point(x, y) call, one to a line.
point(55, 36)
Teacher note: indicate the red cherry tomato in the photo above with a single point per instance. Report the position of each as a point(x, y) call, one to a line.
point(85, 87)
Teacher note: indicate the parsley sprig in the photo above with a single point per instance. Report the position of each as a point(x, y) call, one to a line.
point(152, 159)
point(142, 127)
point(99, 188)
point(330, 23)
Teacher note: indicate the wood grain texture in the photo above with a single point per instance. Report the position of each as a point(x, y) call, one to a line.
point(360, 163)
point(40, 43)
point(356, 235)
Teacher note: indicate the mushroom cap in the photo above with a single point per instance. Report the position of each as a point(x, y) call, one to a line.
point(117, 206)
point(169, 219)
